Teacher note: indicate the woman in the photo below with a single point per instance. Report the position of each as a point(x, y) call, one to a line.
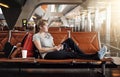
point(68, 49)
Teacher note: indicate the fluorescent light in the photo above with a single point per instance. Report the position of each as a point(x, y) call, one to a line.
point(4, 5)
point(52, 8)
point(61, 7)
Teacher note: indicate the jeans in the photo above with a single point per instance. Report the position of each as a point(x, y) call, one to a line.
point(70, 51)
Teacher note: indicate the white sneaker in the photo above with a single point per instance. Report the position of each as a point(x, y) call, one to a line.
point(102, 52)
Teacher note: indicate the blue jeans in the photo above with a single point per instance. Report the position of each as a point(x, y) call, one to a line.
point(70, 51)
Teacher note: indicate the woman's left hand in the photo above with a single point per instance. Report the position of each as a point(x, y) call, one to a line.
point(60, 47)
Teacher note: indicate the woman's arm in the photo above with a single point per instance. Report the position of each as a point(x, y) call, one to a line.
point(43, 49)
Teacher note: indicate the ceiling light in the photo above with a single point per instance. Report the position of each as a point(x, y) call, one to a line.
point(4, 5)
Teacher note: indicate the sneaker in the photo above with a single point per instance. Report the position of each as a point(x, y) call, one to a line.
point(102, 52)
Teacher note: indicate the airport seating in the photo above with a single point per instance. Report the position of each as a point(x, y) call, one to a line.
point(87, 41)
point(3, 38)
point(59, 29)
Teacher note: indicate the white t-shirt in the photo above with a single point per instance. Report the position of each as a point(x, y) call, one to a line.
point(46, 41)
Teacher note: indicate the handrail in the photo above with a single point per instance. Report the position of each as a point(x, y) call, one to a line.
point(9, 37)
point(111, 46)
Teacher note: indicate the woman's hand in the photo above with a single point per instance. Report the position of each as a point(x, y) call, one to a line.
point(59, 47)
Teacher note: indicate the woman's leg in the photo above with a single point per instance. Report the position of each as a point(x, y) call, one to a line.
point(69, 43)
point(69, 55)
point(16, 52)
point(60, 55)
point(88, 56)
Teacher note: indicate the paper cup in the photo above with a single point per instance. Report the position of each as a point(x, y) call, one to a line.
point(24, 53)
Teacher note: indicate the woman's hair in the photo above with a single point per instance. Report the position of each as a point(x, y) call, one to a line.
point(39, 23)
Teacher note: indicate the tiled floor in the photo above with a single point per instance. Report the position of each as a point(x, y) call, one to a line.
point(115, 72)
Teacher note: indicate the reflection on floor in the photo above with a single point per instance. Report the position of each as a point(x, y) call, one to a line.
point(114, 72)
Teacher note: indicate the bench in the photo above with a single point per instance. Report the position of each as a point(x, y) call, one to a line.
point(87, 41)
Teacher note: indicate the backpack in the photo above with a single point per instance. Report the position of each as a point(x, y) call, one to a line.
point(28, 45)
point(8, 49)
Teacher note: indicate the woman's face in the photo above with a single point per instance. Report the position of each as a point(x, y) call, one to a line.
point(44, 28)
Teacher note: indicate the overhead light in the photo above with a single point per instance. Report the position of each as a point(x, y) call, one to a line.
point(62, 7)
point(52, 8)
point(4, 5)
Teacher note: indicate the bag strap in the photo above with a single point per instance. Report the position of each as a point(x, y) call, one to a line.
point(9, 35)
point(24, 38)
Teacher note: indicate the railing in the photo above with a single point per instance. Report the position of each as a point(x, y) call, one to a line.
point(111, 46)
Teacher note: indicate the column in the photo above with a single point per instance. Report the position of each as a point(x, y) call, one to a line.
point(83, 22)
point(89, 21)
point(108, 24)
point(96, 25)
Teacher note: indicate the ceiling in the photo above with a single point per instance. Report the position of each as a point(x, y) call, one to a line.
point(13, 3)
point(60, 12)
point(83, 7)
point(2, 17)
